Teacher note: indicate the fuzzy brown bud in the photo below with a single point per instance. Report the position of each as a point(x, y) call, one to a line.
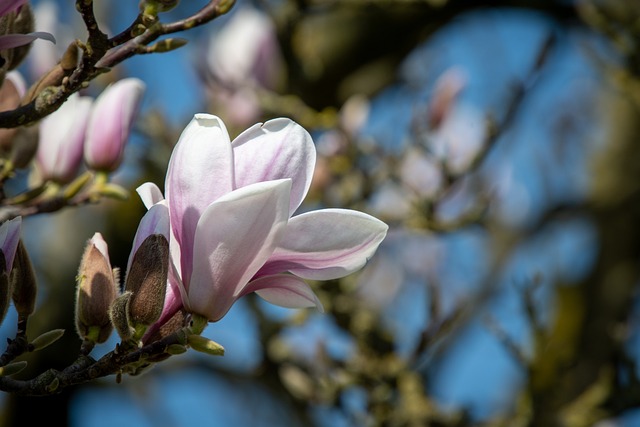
point(96, 291)
point(147, 281)
point(23, 281)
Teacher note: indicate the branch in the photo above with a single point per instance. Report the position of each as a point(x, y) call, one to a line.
point(100, 54)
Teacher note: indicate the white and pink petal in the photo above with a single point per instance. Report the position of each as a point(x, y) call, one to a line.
point(234, 238)
point(326, 244)
point(200, 171)
point(277, 149)
point(284, 290)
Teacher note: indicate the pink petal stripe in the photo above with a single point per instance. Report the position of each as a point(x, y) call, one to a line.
point(326, 244)
point(284, 290)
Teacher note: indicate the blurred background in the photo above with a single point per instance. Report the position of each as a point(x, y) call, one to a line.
point(496, 138)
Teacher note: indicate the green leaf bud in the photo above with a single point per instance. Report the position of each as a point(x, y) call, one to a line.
point(46, 339)
point(119, 317)
point(205, 345)
point(12, 368)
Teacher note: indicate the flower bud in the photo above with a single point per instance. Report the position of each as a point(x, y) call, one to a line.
point(155, 6)
point(205, 345)
point(96, 291)
point(110, 124)
point(23, 282)
point(147, 280)
point(61, 143)
point(148, 269)
point(9, 238)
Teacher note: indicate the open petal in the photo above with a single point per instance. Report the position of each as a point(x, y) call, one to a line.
point(234, 238)
point(200, 171)
point(150, 194)
point(277, 149)
point(9, 41)
point(284, 290)
point(326, 244)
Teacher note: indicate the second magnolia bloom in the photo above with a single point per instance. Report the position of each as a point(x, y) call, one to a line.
point(232, 229)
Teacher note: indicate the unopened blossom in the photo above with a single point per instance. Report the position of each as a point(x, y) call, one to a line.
point(243, 57)
point(9, 239)
point(233, 233)
point(61, 140)
point(146, 277)
point(110, 124)
point(96, 290)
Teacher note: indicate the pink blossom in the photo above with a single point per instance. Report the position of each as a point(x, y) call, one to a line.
point(110, 124)
point(62, 140)
point(233, 233)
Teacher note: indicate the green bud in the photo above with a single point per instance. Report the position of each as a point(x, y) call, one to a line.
point(174, 349)
point(76, 185)
point(12, 368)
point(53, 385)
point(225, 6)
point(113, 191)
point(167, 45)
point(152, 7)
point(96, 290)
point(147, 281)
point(23, 281)
point(47, 339)
point(119, 318)
point(205, 345)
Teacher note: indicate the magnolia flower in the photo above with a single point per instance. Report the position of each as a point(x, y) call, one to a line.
point(111, 122)
point(61, 141)
point(233, 233)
